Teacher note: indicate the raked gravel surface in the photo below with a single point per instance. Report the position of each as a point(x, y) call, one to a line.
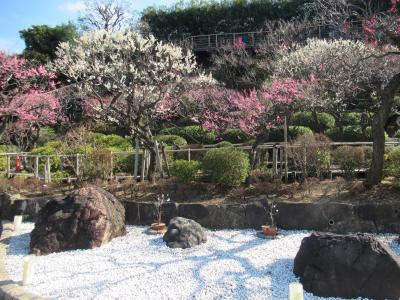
point(233, 264)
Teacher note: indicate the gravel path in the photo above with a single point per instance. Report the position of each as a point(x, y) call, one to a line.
point(233, 264)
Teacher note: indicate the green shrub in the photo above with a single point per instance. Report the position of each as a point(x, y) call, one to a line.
point(277, 133)
point(171, 140)
point(393, 162)
point(351, 134)
point(98, 164)
point(350, 158)
point(351, 119)
point(306, 119)
point(224, 144)
point(113, 142)
point(192, 134)
point(235, 136)
point(397, 134)
point(185, 170)
point(226, 166)
point(50, 148)
point(46, 135)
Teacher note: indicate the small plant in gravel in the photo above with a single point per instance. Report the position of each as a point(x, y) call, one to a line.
point(272, 211)
point(160, 227)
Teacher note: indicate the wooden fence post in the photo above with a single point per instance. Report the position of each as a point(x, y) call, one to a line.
point(158, 159)
point(8, 170)
point(189, 154)
point(47, 169)
point(142, 171)
point(275, 160)
point(165, 158)
point(36, 167)
point(77, 165)
point(286, 150)
point(136, 166)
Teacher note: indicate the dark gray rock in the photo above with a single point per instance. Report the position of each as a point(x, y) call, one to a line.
point(348, 266)
point(184, 233)
point(87, 218)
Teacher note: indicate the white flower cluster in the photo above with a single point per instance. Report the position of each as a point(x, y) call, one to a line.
point(342, 69)
point(136, 72)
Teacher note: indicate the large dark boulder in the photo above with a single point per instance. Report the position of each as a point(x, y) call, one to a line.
point(348, 266)
point(89, 217)
point(184, 233)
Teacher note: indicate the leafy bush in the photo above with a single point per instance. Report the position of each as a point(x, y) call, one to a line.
point(351, 134)
point(349, 159)
point(98, 164)
point(226, 166)
point(50, 148)
point(261, 175)
point(306, 119)
point(224, 144)
point(192, 134)
point(46, 135)
point(113, 142)
point(185, 170)
point(351, 119)
point(171, 140)
point(397, 134)
point(393, 162)
point(311, 154)
point(277, 134)
point(235, 136)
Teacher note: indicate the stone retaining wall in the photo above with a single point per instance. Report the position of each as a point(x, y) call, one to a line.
point(333, 217)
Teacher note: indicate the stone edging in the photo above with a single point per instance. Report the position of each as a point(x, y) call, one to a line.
point(9, 290)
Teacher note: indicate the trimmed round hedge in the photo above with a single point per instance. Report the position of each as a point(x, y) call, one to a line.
point(171, 140)
point(306, 119)
point(226, 166)
point(277, 134)
point(192, 134)
point(235, 136)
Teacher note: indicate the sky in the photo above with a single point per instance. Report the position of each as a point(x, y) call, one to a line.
point(16, 15)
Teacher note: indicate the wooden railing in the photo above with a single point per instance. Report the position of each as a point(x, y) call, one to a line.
point(29, 163)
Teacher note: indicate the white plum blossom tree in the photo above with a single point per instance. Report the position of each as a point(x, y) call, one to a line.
point(346, 74)
point(127, 79)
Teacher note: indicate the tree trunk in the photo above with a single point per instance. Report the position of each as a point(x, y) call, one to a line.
point(375, 172)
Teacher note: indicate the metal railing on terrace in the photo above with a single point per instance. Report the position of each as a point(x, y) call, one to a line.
point(252, 40)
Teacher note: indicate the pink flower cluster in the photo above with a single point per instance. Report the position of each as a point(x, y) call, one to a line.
point(23, 93)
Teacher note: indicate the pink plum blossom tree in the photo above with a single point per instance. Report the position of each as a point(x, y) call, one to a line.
point(26, 103)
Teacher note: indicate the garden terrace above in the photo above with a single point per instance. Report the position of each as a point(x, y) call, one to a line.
point(253, 40)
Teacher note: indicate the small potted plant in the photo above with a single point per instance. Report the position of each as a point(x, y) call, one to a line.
point(158, 226)
point(271, 230)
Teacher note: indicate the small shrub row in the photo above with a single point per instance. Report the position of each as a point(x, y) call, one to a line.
point(225, 166)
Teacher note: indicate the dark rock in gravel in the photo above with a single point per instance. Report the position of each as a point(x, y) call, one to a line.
point(184, 233)
point(348, 266)
point(87, 218)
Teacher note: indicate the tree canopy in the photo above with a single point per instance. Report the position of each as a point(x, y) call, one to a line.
point(41, 41)
point(204, 17)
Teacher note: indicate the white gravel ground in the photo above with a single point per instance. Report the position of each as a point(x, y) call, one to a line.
point(233, 264)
